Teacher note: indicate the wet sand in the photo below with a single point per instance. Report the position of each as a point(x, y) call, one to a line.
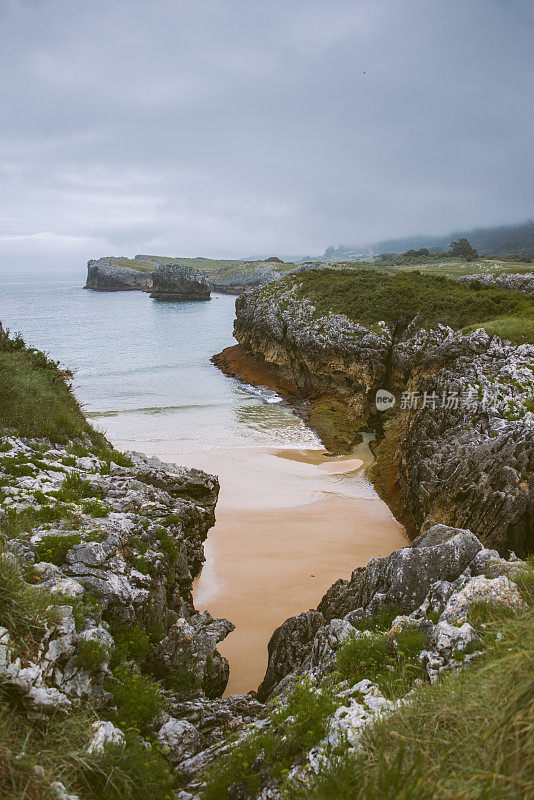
point(265, 567)
point(274, 553)
point(289, 523)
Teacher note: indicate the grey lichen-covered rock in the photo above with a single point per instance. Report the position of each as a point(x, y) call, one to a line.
point(132, 564)
point(515, 281)
point(288, 646)
point(432, 573)
point(179, 282)
point(187, 659)
point(104, 276)
point(241, 281)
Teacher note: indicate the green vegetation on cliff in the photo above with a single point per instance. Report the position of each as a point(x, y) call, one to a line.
point(36, 398)
point(368, 296)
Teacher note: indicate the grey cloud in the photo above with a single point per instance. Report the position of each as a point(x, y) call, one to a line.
point(231, 127)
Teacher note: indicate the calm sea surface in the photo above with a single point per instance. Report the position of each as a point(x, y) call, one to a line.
point(143, 367)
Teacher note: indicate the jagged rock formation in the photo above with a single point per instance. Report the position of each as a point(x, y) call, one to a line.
point(238, 281)
point(179, 282)
point(125, 549)
point(465, 459)
point(443, 571)
point(515, 281)
point(103, 276)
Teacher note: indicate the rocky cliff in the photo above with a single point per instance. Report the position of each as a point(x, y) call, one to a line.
point(179, 282)
point(104, 276)
point(456, 447)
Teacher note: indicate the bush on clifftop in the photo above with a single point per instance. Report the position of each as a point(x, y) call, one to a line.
point(36, 398)
point(367, 296)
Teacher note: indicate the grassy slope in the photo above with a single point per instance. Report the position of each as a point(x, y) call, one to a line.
point(214, 268)
point(36, 399)
point(368, 296)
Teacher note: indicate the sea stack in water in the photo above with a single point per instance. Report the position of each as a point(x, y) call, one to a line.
point(104, 276)
point(178, 282)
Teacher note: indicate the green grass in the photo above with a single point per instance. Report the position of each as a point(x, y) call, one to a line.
point(17, 523)
point(24, 609)
point(516, 330)
point(367, 296)
point(36, 398)
point(57, 747)
point(216, 269)
point(54, 547)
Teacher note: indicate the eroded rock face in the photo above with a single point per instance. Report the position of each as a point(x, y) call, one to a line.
point(466, 460)
point(239, 282)
point(179, 282)
point(103, 276)
point(130, 563)
point(439, 573)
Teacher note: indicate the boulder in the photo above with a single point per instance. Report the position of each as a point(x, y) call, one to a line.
point(187, 661)
point(179, 282)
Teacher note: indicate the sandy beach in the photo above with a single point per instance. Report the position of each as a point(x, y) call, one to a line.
point(289, 522)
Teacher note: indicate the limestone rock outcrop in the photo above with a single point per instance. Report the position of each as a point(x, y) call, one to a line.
point(104, 276)
point(440, 572)
point(179, 282)
point(515, 281)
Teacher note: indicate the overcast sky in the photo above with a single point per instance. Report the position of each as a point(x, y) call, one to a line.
point(241, 127)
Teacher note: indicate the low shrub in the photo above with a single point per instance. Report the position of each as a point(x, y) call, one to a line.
point(78, 487)
point(91, 654)
point(389, 661)
point(381, 621)
point(83, 608)
point(131, 644)
point(54, 547)
point(294, 729)
point(168, 546)
point(95, 508)
point(137, 698)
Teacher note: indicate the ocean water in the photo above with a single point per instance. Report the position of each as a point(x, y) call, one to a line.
point(142, 367)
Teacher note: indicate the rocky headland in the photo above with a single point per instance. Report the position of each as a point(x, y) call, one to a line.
point(104, 276)
point(118, 273)
point(179, 282)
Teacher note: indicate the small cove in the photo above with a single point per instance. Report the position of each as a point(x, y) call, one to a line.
point(289, 521)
